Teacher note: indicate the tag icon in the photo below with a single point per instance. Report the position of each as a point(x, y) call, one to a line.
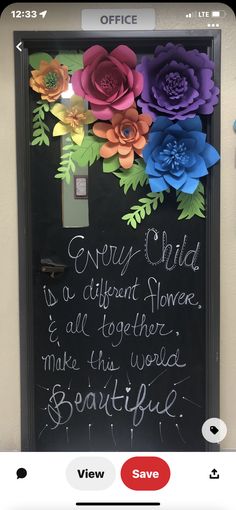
point(214, 429)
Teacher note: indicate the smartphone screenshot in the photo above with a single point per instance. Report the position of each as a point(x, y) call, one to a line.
point(118, 235)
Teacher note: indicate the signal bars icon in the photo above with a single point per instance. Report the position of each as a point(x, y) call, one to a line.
point(191, 15)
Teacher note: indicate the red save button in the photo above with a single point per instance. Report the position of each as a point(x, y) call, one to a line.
point(145, 473)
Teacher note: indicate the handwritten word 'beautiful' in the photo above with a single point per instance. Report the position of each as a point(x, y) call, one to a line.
point(137, 403)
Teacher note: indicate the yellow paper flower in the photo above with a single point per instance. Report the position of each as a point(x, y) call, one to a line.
point(72, 119)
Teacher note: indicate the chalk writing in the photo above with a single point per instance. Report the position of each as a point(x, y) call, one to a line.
point(106, 256)
point(67, 296)
point(168, 254)
point(53, 363)
point(161, 359)
point(78, 326)
point(49, 297)
point(61, 409)
point(139, 328)
point(170, 299)
point(52, 329)
point(122, 347)
point(103, 292)
point(98, 362)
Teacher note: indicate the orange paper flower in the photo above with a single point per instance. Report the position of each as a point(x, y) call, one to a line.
point(126, 135)
point(50, 80)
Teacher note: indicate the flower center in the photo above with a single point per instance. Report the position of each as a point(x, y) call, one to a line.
point(108, 83)
point(126, 131)
point(51, 80)
point(175, 85)
point(74, 118)
point(174, 157)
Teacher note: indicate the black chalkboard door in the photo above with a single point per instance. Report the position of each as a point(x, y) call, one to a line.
point(119, 351)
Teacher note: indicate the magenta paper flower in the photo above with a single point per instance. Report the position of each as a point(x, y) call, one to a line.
point(108, 81)
point(178, 83)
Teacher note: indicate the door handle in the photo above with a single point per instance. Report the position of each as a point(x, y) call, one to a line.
point(52, 267)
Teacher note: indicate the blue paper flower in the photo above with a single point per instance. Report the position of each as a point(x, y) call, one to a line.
point(177, 154)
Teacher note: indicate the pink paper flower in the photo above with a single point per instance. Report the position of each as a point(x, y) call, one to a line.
point(108, 81)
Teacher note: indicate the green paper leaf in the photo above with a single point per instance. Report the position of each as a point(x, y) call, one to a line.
point(67, 178)
point(37, 132)
point(39, 127)
point(62, 168)
point(36, 58)
point(67, 165)
point(72, 60)
point(46, 107)
point(36, 141)
point(46, 140)
point(145, 207)
point(133, 177)
point(111, 164)
point(68, 146)
point(133, 223)
point(88, 151)
point(191, 205)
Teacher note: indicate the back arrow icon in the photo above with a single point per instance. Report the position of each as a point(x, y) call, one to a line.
point(18, 46)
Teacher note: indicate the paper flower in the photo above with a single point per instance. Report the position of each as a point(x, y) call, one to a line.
point(177, 82)
point(72, 119)
point(125, 135)
point(50, 80)
point(177, 155)
point(108, 81)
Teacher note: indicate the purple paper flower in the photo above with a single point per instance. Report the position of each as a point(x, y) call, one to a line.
point(177, 82)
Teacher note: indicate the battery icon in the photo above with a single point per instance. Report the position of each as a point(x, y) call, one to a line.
point(218, 14)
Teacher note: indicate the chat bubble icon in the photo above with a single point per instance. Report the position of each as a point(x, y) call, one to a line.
point(21, 473)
